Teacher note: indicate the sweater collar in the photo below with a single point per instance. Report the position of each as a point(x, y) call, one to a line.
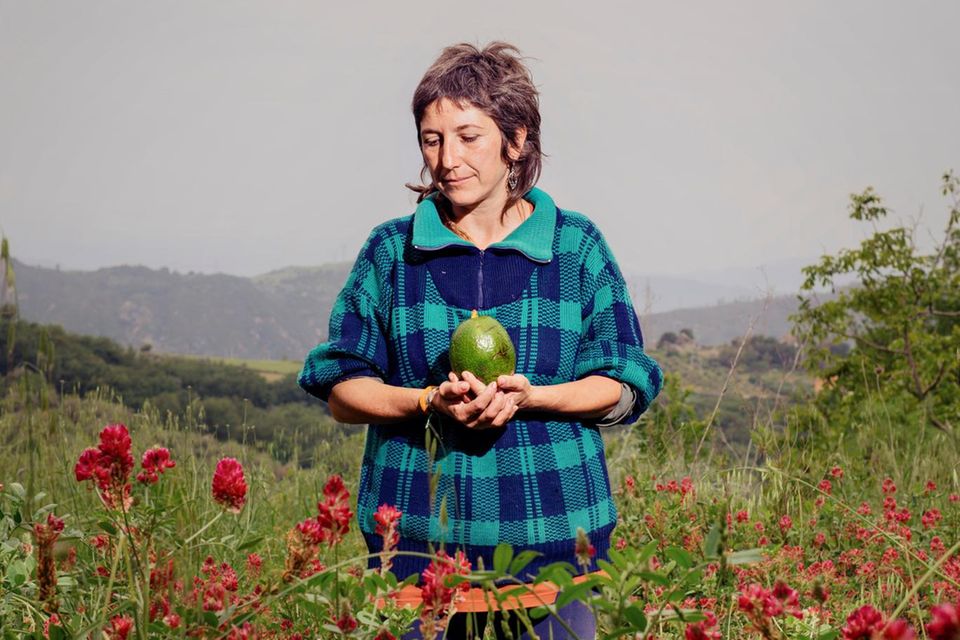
point(533, 238)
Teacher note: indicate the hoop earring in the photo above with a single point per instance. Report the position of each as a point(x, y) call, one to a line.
point(512, 177)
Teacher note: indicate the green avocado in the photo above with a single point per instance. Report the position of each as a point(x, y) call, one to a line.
point(482, 346)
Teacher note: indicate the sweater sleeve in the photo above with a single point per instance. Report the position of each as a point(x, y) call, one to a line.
point(611, 343)
point(356, 345)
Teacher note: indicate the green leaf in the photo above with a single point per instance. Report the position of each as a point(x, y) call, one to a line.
point(655, 578)
point(634, 614)
point(502, 556)
point(683, 559)
point(747, 556)
point(522, 560)
point(250, 543)
point(829, 634)
point(107, 526)
point(711, 546)
point(611, 570)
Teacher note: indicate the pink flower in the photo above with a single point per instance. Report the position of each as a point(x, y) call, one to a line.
point(119, 629)
point(154, 462)
point(945, 623)
point(866, 623)
point(254, 564)
point(52, 621)
point(229, 486)
point(930, 518)
point(703, 630)
point(888, 486)
point(836, 472)
point(438, 594)
point(387, 518)
point(333, 514)
point(109, 466)
point(825, 486)
point(930, 487)
point(786, 523)
point(742, 515)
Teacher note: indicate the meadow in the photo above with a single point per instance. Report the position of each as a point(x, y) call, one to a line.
point(836, 516)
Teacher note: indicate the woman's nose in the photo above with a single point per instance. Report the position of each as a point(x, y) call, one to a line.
point(450, 155)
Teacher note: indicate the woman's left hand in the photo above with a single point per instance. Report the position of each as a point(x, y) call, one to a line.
point(518, 388)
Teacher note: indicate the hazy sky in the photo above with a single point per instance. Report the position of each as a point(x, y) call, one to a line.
point(246, 136)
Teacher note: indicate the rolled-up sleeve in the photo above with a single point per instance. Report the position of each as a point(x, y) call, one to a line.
point(357, 344)
point(611, 342)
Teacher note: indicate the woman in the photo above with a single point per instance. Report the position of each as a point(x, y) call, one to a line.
point(520, 460)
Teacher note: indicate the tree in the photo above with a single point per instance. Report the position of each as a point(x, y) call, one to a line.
point(901, 319)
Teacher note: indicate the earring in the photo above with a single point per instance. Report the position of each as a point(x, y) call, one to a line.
point(512, 177)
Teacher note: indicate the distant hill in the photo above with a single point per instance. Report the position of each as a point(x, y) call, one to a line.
point(284, 313)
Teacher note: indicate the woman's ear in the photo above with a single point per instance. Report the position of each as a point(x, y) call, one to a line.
point(516, 146)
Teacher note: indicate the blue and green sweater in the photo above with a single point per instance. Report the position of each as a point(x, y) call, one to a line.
point(556, 288)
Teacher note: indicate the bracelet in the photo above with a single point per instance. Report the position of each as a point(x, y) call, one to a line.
point(426, 397)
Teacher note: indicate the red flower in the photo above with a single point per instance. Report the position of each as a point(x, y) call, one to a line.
point(119, 629)
point(229, 486)
point(387, 518)
point(836, 472)
point(785, 524)
point(385, 635)
point(333, 514)
point(154, 462)
point(866, 623)
point(825, 486)
point(742, 515)
point(888, 486)
point(109, 466)
point(930, 518)
point(438, 594)
point(254, 564)
point(52, 621)
point(702, 630)
point(945, 624)
point(930, 487)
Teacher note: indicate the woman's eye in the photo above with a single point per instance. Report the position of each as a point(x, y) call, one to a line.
point(470, 138)
point(432, 142)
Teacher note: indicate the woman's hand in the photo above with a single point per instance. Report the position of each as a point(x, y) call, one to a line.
point(488, 407)
point(517, 388)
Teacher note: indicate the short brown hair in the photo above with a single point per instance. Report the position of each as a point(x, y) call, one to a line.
point(496, 81)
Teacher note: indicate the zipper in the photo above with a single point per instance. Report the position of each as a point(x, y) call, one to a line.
point(480, 283)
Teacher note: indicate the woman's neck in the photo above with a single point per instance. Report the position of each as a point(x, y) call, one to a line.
point(484, 226)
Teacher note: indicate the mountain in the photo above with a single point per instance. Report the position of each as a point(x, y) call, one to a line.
point(284, 313)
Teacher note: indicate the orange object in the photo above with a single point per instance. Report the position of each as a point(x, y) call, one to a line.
point(477, 600)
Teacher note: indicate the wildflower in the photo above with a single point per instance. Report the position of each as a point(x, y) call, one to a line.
point(930, 518)
point(172, 620)
point(584, 549)
point(762, 605)
point(703, 630)
point(819, 540)
point(52, 621)
point(825, 486)
point(786, 523)
point(621, 544)
point(937, 546)
point(686, 486)
point(439, 596)
point(385, 635)
point(758, 527)
point(346, 622)
point(945, 623)
point(254, 564)
point(864, 509)
point(154, 462)
point(109, 466)
point(866, 623)
point(334, 512)
point(229, 486)
point(119, 629)
point(630, 484)
point(387, 518)
point(954, 497)
point(46, 535)
point(930, 487)
point(836, 472)
point(742, 516)
point(888, 486)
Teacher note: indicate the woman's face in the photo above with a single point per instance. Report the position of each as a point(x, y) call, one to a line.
point(461, 148)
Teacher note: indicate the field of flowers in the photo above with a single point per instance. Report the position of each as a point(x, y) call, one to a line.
point(150, 530)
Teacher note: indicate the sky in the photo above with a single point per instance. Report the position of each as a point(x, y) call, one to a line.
point(243, 137)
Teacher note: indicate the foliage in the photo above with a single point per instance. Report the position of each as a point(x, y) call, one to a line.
point(901, 319)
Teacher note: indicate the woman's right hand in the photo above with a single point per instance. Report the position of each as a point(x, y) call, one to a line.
point(472, 403)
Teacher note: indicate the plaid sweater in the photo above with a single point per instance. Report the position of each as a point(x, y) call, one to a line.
point(556, 288)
